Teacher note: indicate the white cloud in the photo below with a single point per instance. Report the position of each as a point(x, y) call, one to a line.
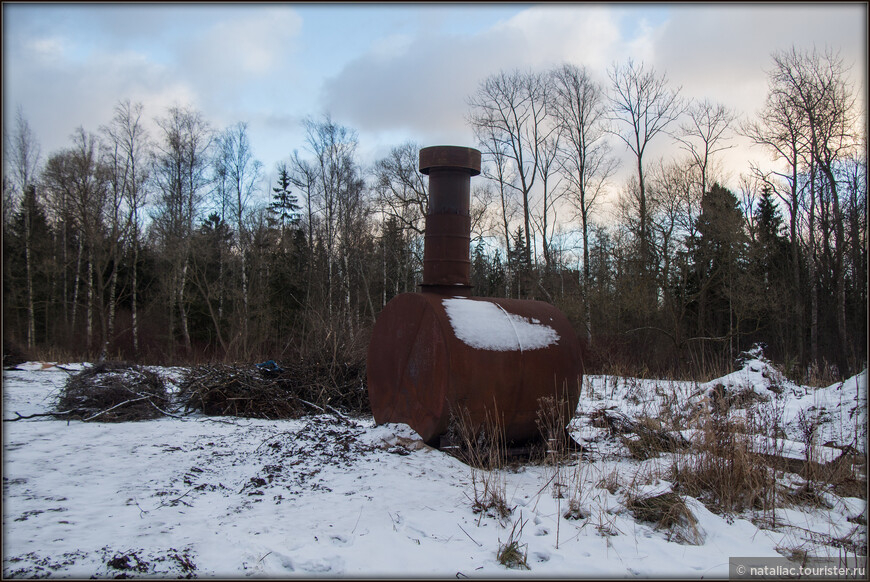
point(423, 86)
point(254, 43)
point(554, 33)
point(723, 51)
point(49, 50)
point(60, 95)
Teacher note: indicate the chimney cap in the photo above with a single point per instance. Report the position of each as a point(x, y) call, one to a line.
point(450, 157)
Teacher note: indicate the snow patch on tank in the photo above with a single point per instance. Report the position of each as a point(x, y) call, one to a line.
point(487, 326)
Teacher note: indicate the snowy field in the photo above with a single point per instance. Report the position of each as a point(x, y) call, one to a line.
point(337, 497)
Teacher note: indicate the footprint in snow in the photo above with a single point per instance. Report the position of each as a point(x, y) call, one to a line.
point(339, 540)
point(322, 565)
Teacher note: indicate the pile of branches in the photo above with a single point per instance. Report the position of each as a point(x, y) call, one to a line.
point(113, 392)
point(291, 391)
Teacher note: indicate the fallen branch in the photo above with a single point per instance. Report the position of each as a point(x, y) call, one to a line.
point(163, 411)
point(102, 412)
point(19, 416)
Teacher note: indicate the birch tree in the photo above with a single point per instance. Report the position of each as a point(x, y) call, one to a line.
point(234, 161)
point(23, 153)
point(180, 176)
point(580, 108)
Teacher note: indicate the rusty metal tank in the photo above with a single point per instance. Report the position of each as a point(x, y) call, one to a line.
point(441, 350)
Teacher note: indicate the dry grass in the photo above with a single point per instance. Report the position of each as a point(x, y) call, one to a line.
point(610, 482)
point(724, 471)
point(482, 447)
point(113, 392)
point(669, 513)
point(649, 437)
point(512, 554)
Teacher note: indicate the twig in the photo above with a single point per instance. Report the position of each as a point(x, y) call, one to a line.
point(332, 408)
point(479, 545)
point(165, 504)
point(339, 414)
point(229, 422)
point(311, 404)
point(163, 411)
point(357, 521)
point(68, 370)
point(272, 437)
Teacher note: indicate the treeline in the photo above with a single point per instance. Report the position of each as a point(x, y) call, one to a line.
point(168, 246)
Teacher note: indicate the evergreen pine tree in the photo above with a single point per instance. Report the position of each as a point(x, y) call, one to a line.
point(285, 205)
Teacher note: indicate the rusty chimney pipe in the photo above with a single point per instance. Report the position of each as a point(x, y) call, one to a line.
point(446, 262)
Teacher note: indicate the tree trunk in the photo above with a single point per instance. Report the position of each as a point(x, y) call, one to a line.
point(110, 322)
point(182, 309)
point(75, 301)
point(31, 317)
point(89, 333)
point(134, 312)
point(586, 277)
point(843, 353)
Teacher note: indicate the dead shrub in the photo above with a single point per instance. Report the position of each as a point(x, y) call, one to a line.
point(648, 436)
point(724, 472)
point(480, 445)
point(806, 495)
point(290, 391)
point(113, 392)
point(575, 510)
point(669, 513)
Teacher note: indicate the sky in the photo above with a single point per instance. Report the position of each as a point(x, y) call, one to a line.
point(392, 72)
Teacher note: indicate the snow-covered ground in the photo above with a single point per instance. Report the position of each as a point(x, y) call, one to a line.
point(329, 496)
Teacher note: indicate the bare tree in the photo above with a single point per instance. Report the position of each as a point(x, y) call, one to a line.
point(180, 175)
point(579, 107)
point(550, 193)
point(402, 194)
point(235, 163)
point(674, 208)
point(89, 179)
point(22, 153)
point(58, 185)
point(704, 134)
point(125, 159)
point(815, 84)
point(499, 171)
point(644, 106)
point(508, 113)
point(334, 148)
point(400, 187)
point(781, 129)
